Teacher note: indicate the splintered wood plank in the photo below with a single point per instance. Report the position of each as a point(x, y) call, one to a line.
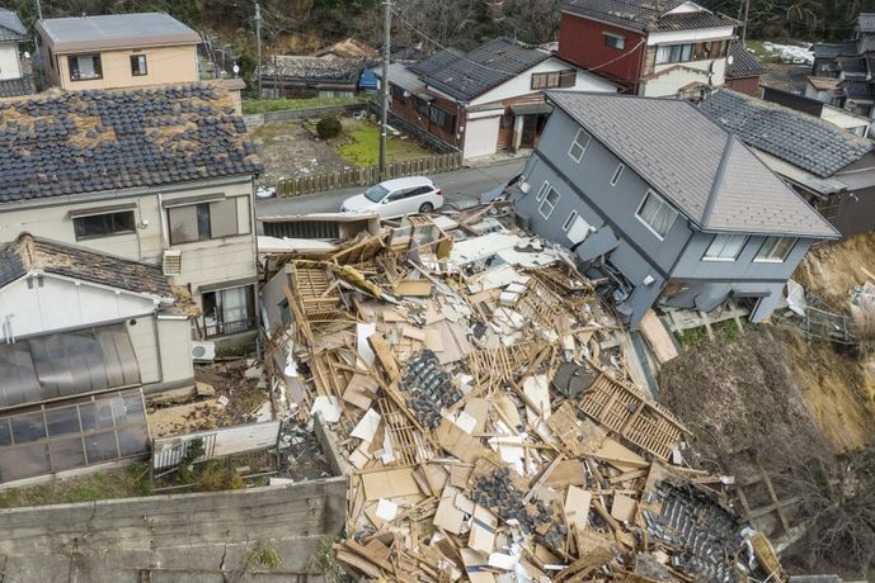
point(658, 337)
point(633, 416)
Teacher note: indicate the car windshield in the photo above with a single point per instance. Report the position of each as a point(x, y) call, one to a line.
point(376, 193)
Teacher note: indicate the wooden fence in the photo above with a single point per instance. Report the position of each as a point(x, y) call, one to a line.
point(292, 187)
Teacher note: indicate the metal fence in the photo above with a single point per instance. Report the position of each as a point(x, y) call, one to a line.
point(170, 451)
point(292, 187)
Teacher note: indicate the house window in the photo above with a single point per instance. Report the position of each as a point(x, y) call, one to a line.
point(397, 93)
point(138, 65)
point(617, 173)
point(674, 54)
point(202, 221)
point(420, 105)
point(578, 146)
point(104, 225)
point(614, 41)
point(569, 221)
point(543, 192)
point(775, 249)
point(565, 78)
point(285, 312)
point(549, 203)
point(228, 311)
point(725, 247)
point(83, 67)
point(657, 214)
point(442, 119)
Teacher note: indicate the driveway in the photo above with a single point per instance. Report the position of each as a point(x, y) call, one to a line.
point(461, 188)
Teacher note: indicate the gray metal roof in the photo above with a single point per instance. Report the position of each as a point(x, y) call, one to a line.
point(111, 31)
point(744, 64)
point(95, 141)
point(858, 90)
point(11, 28)
point(402, 77)
point(646, 15)
point(28, 253)
point(484, 67)
point(705, 171)
point(804, 141)
point(832, 50)
point(437, 61)
point(866, 22)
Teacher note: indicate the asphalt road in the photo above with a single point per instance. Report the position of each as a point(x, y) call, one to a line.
point(461, 188)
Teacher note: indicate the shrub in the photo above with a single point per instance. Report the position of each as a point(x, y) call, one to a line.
point(328, 127)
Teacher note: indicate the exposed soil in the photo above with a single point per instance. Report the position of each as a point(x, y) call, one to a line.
point(288, 150)
point(831, 271)
point(785, 77)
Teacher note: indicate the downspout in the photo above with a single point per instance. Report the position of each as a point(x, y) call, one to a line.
point(158, 345)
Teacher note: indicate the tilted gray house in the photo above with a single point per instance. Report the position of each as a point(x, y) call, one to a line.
point(670, 204)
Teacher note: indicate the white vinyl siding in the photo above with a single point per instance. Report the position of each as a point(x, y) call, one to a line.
point(725, 247)
point(549, 203)
point(578, 146)
point(775, 249)
point(656, 214)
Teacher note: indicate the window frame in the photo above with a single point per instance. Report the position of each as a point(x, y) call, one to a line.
point(676, 53)
point(721, 258)
point(775, 240)
point(135, 62)
point(204, 220)
point(606, 36)
point(542, 192)
point(546, 202)
point(442, 118)
point(79, 220)
point(97, 65)
point(663, 202)
point(583, 147)
point(221, 327)
point(563, 78)
point(618, 173)
point(572, 216)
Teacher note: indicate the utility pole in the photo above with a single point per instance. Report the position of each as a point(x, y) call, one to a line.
point(744, 24)
point(39, 10)
point(258, 43)
point(384, 84)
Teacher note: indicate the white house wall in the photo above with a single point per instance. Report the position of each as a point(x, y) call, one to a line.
point(61, 304)
point(203, 262)
point(142, 332)
point(174, 340)
point(10, 67)
point(698, 35)
point(522, 83)
point(668, 84)
point(481, 135)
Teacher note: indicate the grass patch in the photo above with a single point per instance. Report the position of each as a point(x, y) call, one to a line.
point(251, 106)
point(360, 145)
point(126, 482)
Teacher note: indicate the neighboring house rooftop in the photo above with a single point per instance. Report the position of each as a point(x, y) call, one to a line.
point(825, 83)
point(743, 64)
point(28, 253)
point(485, 67)
point(11, 27)
point(646, 15)
point(866, 22)
point(814, 145)
point(436, 62)
point(17, 87)
point(858, 90)
point(314, 69)
point(833, 50)
point(405, 79)
point(92, 141)
point(853, 65)
point(704, 170)
point(348, 49)
point(115, 31)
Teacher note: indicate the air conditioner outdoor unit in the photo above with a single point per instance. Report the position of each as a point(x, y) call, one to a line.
point(172, 263)
point(203, 351)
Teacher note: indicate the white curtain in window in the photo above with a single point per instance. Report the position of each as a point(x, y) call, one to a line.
point(725, 247)
point(233, 305)
point(86, 67)
point(663, 54)
point(657, 214)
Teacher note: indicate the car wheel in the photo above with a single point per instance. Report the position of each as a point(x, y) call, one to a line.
point(426, 207)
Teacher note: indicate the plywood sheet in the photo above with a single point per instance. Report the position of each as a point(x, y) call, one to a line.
point(657, 337)
point(414, 288)
point(389, 484)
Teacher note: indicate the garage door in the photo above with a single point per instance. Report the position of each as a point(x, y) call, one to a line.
point(481, 135)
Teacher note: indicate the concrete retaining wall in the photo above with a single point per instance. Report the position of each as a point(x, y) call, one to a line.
point(182, 537)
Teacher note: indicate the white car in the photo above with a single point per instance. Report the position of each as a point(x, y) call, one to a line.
point(396, 198)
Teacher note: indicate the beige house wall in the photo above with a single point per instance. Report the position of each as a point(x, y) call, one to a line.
point(163, 64)
point(208, 262)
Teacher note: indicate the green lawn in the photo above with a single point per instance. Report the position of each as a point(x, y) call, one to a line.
point(251, 106)
point(359, 145)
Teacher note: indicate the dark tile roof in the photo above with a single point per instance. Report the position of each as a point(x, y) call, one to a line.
point(866, 22)
point(17, 87)
point(744, 64)
point(300, 69)
point(646, 15)
point(92, 141)
point(834, 50)
point(484, 67)
point(808, 143)
point(795, 101)
point(853, 65)
point(11, 28)
point(28, 253)
point(704, 170)
point(858, 90)
point(437, 61)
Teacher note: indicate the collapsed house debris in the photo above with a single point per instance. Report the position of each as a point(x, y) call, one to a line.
point(479, 396)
